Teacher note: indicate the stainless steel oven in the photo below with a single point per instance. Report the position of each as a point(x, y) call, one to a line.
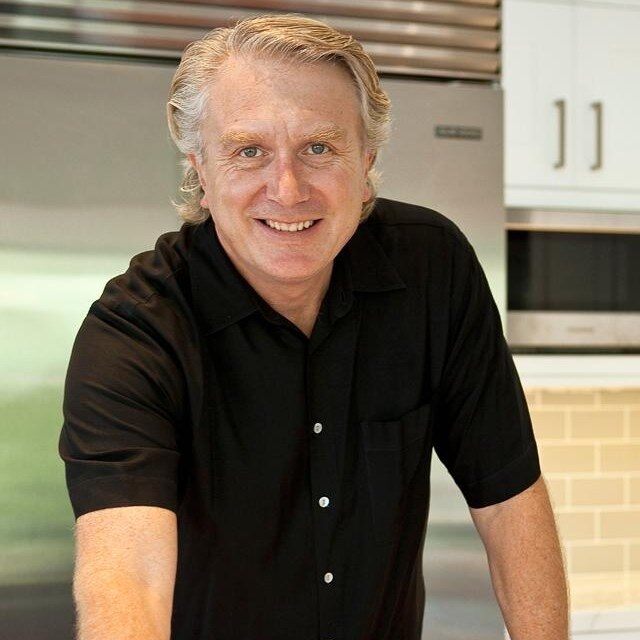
point(573, 281)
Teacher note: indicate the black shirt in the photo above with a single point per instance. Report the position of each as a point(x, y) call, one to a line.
point(298, 467)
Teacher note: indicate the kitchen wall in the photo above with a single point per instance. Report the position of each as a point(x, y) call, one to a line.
point(570, 74)
point(589, 443)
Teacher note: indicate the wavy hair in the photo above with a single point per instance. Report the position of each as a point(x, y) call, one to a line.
point(280, 37)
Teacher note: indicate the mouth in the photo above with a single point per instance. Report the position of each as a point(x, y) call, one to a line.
point(290, 228)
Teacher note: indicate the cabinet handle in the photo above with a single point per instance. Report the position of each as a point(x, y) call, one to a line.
point(561, 133)
point(597, 107)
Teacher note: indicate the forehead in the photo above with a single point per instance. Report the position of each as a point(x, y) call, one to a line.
point(291, 95)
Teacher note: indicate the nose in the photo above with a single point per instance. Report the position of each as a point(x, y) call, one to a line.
point(286, 184)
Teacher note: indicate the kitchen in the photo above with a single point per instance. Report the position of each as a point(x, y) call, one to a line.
point(444, 77)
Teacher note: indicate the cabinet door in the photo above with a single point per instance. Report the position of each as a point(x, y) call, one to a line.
point(608, 73)
point(537, 72)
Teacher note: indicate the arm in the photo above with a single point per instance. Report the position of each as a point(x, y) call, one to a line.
point(125, 573)
point(526, 564)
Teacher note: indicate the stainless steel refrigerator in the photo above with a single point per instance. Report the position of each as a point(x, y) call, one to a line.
point(88, 166)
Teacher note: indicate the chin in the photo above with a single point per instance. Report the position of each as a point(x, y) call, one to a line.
point(294, 271)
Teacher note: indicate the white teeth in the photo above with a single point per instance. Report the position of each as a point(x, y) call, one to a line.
point(293, 226)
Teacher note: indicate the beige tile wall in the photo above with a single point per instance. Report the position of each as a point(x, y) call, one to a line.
point(589, 444)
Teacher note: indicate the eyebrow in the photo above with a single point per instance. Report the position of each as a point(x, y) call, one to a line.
point(329, 134)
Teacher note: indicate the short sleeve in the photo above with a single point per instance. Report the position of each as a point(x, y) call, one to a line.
point(118, 439)
point(483, 432)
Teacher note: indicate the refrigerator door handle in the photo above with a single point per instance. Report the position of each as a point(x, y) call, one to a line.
point(597, 107)
point(561, 104)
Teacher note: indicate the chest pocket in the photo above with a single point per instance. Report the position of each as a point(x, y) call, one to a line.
point(393, 453)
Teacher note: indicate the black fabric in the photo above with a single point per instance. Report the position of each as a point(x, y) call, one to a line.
point(186, 390)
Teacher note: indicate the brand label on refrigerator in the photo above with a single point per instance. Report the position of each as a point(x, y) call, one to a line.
point(454, 131)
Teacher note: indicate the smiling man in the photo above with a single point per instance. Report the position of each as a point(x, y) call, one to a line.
point(250, 410)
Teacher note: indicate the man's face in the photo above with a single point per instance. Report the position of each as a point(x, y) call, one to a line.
point(283, 143)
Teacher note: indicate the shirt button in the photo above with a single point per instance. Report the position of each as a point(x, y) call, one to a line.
point(324, 501)
point(317, 427)
point(328, 577)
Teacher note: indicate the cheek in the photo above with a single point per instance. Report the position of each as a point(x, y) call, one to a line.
point(234, 189)
point(346, 181)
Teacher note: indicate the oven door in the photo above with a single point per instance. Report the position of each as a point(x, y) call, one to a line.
point(574, 284)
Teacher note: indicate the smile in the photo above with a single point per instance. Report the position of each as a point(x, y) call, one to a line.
point(289, 226)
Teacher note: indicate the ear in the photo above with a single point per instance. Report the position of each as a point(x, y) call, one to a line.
point(198, 168)
point(193, 161)
point(370, 159)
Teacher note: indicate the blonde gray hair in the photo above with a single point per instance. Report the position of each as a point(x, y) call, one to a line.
point(281, 37)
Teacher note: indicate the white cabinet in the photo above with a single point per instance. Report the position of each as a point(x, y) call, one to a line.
point(536, 72)
point(609, 74)
point(571, 76)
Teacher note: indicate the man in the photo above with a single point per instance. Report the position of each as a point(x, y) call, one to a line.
point(250, 409)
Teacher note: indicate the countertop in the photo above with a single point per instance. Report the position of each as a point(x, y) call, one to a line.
point(578, 370)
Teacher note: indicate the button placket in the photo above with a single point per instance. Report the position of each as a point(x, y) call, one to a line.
point(329, 400)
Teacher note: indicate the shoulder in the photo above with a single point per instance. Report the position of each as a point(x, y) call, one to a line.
point(138, 341)
point(419, 240)
point(154, 291)
point(150, 273)
point(392, 218)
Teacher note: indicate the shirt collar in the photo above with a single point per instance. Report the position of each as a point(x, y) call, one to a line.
point(221, 296)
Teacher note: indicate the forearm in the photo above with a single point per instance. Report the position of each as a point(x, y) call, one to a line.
point(527, 571)
point(532, 594)
point(114, 605)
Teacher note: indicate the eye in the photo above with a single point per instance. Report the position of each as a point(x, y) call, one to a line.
point(250, 152)
point(318, 148)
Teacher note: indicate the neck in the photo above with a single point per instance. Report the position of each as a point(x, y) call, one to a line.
point(299, 302)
